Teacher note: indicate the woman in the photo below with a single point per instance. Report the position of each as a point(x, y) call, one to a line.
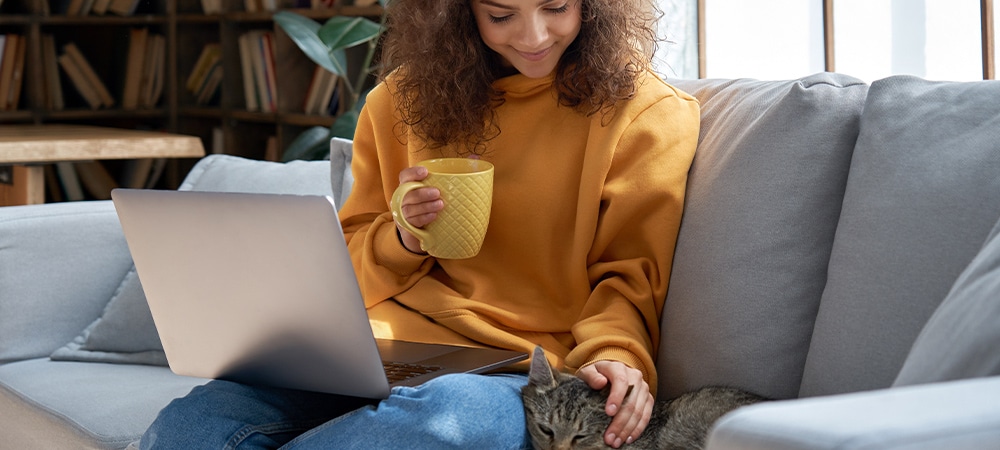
point(591, 152)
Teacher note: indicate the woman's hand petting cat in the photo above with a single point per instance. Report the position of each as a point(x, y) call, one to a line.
point(630, 413)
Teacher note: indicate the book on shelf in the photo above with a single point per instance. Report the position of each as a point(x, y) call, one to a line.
point(135, 66)
point(271, 152)
point(96, 179)
point(320, 93)
point(210, 86)
point(3, 49)
point(218, 140)
point(260, 5)
point(270, 72)
point(123, 7)
point(211, 6)
point(101, 7)
point(247, 68)
point(79, 81)
point(136, 172)
point(154, 71)
point(88, 5)
point(312, 92)
point(17, 78)
point(154, 174)
point(73, 51)
point(53, 190)
point(74, 7)
point(211, 55)
point(262, 62)
point(70, 181)
point(50, 77)
point(10, 44)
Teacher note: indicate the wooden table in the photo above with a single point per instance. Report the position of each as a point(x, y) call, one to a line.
point(25, 148)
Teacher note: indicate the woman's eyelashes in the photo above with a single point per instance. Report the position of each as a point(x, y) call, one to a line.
point(506, 18)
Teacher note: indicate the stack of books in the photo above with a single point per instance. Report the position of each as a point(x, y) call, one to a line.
point(205, 78)
point(257, 64)
point(84, 78)
point(323, 94)
point(144, 69)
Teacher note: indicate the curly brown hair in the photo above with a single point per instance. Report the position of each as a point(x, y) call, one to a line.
point(444, 88)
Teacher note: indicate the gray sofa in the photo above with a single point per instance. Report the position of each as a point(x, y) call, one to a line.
point(840, 251)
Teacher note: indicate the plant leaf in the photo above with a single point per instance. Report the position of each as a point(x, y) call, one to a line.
point(342, 32)
point(305, 33)
point(312, 144)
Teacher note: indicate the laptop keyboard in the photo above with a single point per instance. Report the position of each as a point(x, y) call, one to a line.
point(396, 371)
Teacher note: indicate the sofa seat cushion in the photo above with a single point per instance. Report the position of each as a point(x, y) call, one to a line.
point(58, 404)
point(763, 198)
point(922, 195)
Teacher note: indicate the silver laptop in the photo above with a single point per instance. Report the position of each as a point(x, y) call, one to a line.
point(259, 288)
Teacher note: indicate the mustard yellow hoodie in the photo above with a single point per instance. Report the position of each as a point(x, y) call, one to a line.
point(581, 236)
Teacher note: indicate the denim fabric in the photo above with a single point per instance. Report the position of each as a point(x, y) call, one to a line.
point(453, 411)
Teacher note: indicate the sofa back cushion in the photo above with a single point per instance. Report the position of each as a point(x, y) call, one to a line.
point(764, 194)
point(922, 195)
point(54, 278)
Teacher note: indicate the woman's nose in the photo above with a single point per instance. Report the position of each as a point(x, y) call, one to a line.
point(534, 34)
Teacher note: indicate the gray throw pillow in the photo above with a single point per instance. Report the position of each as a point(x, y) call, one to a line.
point(922, 195)
point(125, 332)
point(760, 212)
point(962, 338)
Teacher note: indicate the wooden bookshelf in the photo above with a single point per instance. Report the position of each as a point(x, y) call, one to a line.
point(104, 40)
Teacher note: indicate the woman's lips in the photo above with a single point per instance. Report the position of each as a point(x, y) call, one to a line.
point(535, 56)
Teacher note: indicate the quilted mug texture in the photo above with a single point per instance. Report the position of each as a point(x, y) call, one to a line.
point(466, 187)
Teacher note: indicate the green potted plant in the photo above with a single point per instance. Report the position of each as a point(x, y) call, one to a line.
point(327, 46)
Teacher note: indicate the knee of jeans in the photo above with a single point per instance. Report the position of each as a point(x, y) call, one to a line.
point(472, 410)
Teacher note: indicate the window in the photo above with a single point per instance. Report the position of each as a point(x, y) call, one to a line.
point(766, 39)
point(869, 39)
point(677, 56)
point(934, 39)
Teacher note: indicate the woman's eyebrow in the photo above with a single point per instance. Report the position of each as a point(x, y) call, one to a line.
point(509, 7)
point(496, 5)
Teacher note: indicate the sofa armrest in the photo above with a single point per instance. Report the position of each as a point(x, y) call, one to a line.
point(60, 263)
point(961, 414)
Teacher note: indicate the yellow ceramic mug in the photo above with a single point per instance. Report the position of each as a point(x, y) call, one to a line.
point(466, 187)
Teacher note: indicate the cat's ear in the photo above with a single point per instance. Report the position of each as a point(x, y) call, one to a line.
point(540, 373)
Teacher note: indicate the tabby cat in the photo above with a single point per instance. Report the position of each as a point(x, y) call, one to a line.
point(564, 413)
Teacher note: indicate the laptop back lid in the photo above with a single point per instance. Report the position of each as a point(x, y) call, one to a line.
point(257, 288)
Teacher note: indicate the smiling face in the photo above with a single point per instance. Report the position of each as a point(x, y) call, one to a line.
point(530, 35)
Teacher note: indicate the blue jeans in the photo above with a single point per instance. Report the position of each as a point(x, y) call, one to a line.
point(453, 411)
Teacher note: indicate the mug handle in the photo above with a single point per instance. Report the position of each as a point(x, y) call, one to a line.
point(397, 210)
